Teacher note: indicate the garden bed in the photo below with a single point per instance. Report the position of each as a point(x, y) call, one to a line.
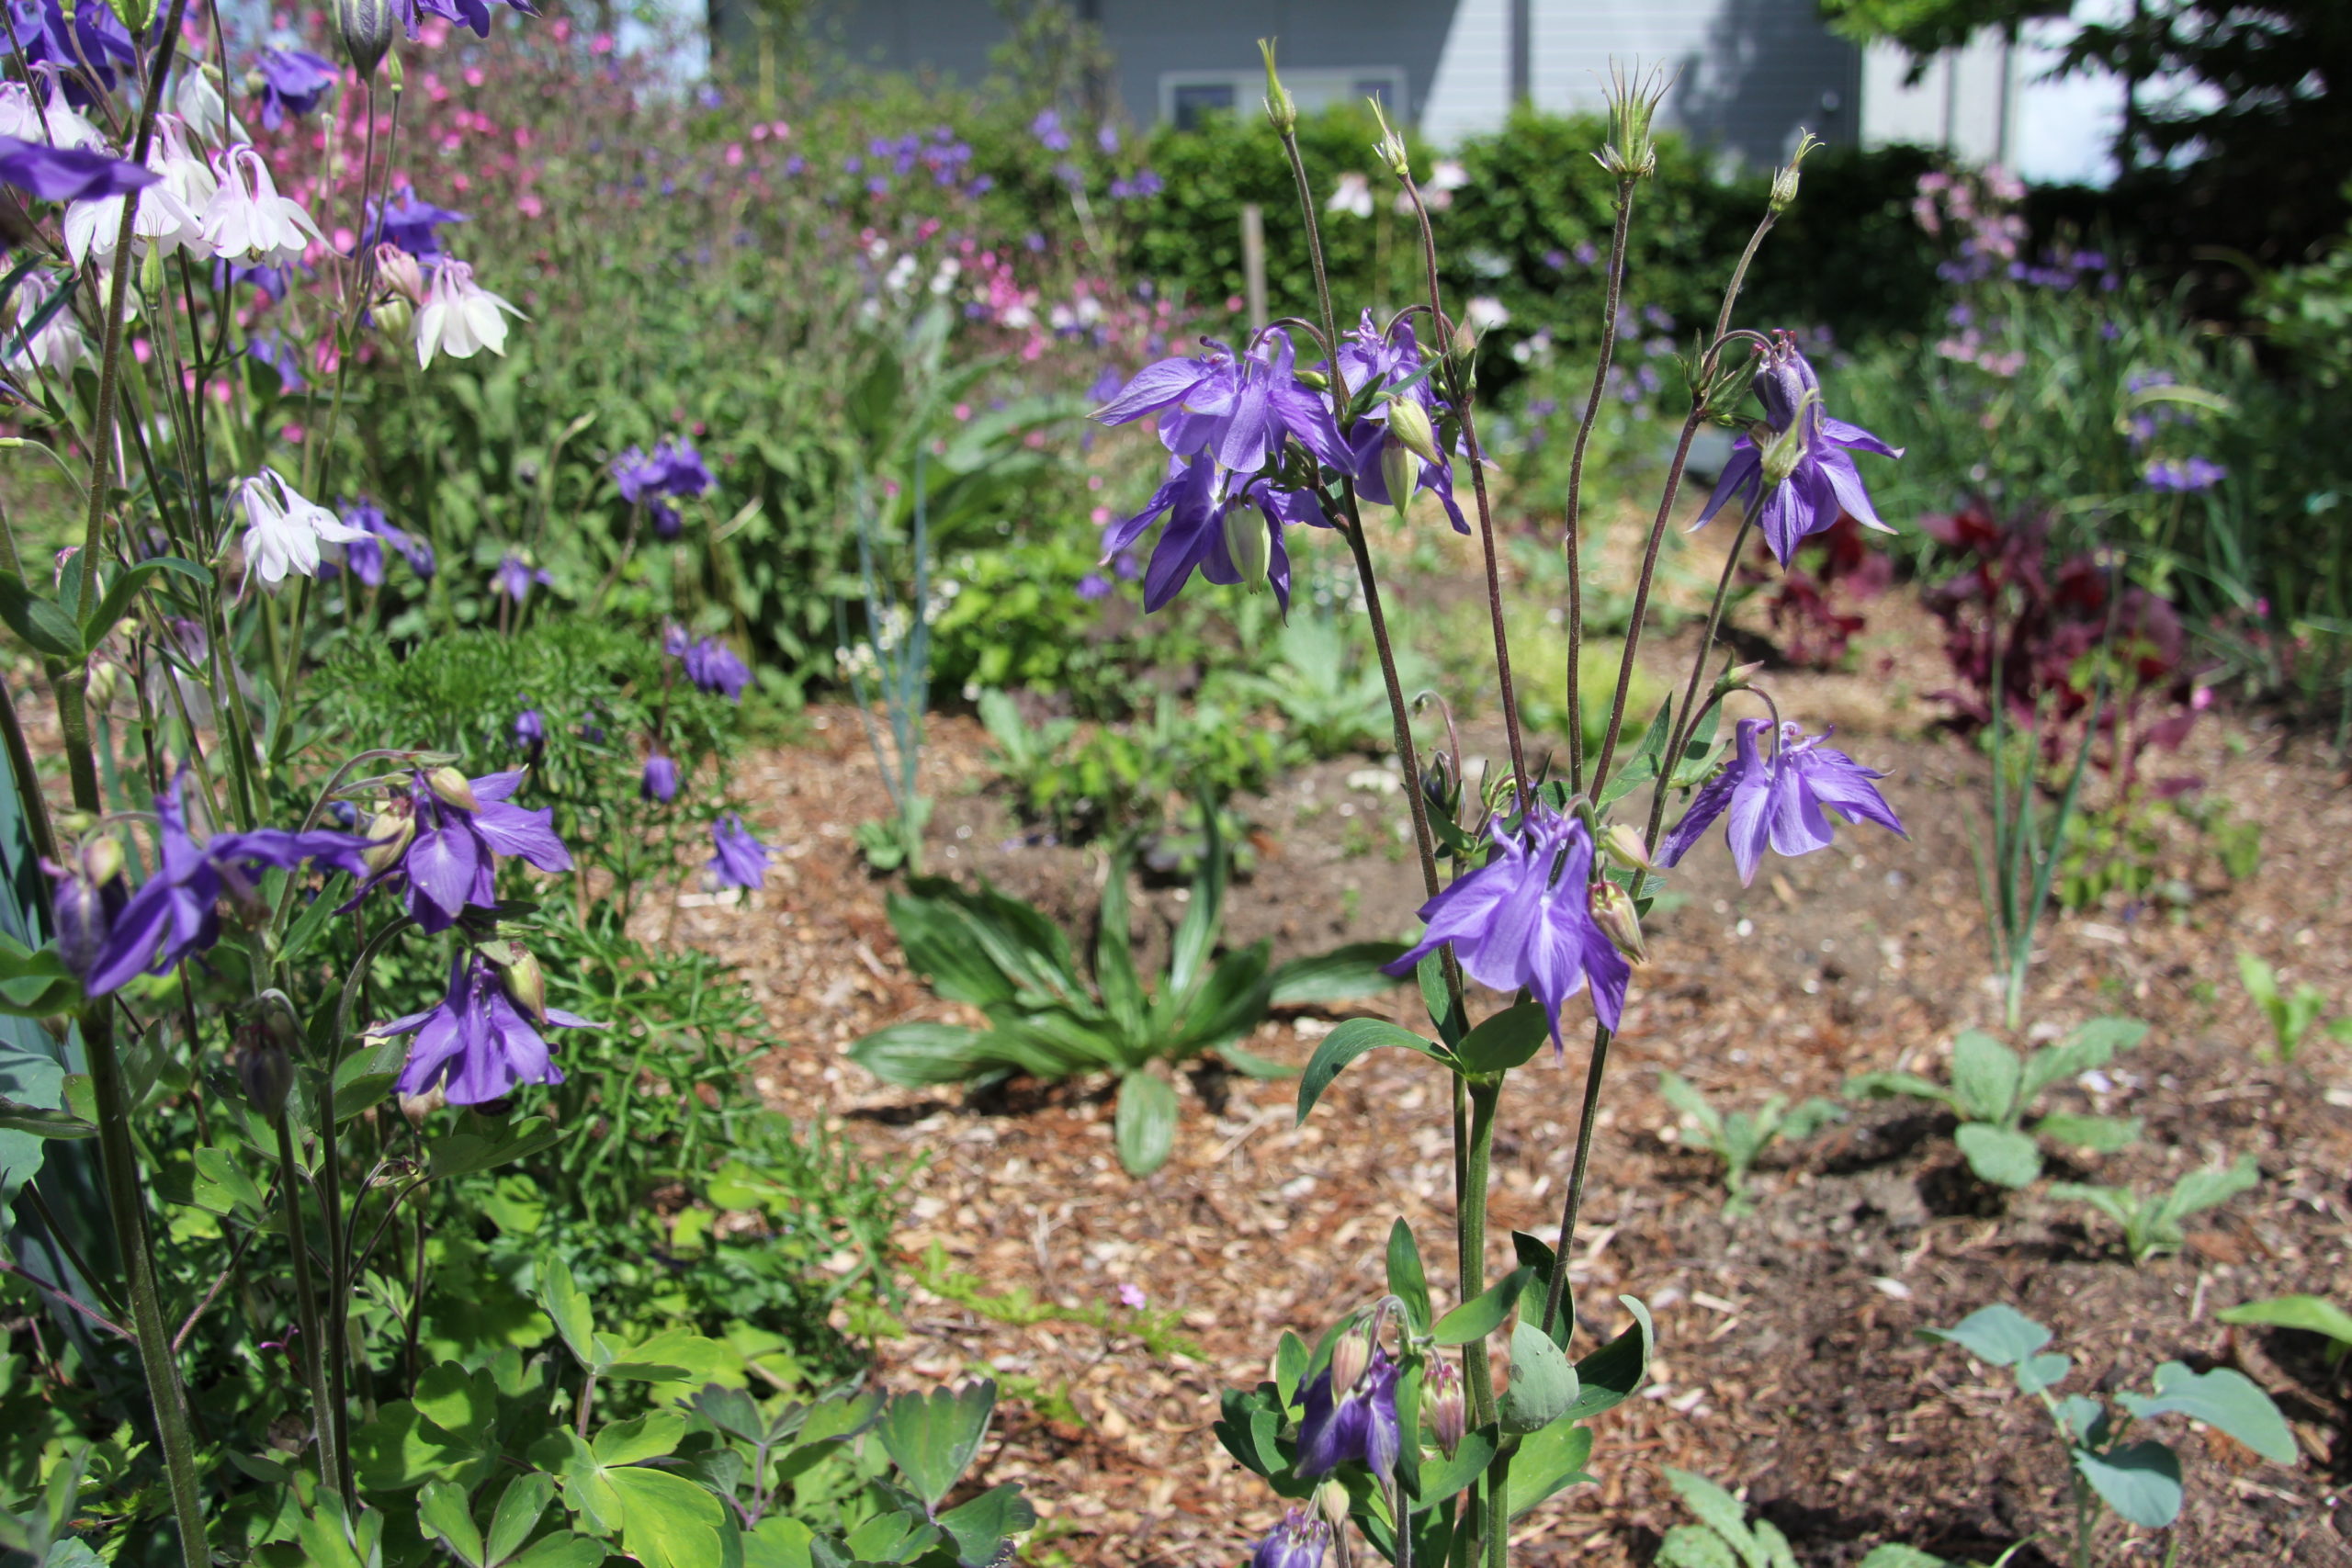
point(1788, 1365)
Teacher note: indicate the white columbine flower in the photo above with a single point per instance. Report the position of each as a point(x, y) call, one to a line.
point(460, 317)
point(1351, 195)
point(206, 113)
point(59, 345)
point(59, 125)
point(171, 212)
point(247, 220)
point(284, 529)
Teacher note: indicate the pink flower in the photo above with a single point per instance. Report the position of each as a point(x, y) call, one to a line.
point(601, 44)
point(734, 154)
point(1131, 1295)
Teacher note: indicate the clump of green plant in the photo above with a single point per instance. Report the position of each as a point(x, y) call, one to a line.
point(1114, 778)
point(1332, 696)
point(1723, 1529)
point(2292, 1016)
point(515, 1463)
point(1739, 1138)
point(2152, 1221)
point(1993, 1089)
point(988, 951)
point(2139, 1480)
point(2313, 1314)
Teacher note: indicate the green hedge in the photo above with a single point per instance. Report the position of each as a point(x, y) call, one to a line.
point(1847, 257)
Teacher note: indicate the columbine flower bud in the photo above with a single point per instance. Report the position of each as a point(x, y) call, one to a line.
point(1463, 349)
point(417, 1107)
point(1409, 422)
point(452, 787)
point(1439, 787)
point(1624, 845)
point(525, 981)
point(1782, 454)
point(1443, 1403)
point(1612, 911)
point(1350, 1357)
point(1390, 148)
point(266, 1074)
point(400, 272)
point(101, 861)
point(104, 681)
point(78, 904)
point(390, 833)
point(1399, 470)
point(1738, 678)
point(366, 28)
point(1250, 543)
point(1281, 108)
point(1331, 1502)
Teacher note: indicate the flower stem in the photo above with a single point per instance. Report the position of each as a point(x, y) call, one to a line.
point(1574, 1202)
point(306, 1306)
point(117, 1161)
point(1477, 1370)
point(1574, 540)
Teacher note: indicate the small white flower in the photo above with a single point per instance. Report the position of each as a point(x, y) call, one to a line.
point(284, 529)
point(59, 345)
point(460, 317)
point(247, 220)
point(59, 125)
point(199, 103)
point(1484, 313)
point(1447, 173)
point(169, 212)
point(1352, 195)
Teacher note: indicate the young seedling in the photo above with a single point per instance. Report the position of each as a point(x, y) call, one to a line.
point(2292, 1017)
point(2139, 1480)
point(1723, 1529)
point(2152, 1221)
point(1740, 1139)
point(1993, 1089)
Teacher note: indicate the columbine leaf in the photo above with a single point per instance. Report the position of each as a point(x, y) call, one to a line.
point(1543, 1383)
point(1984, 1077)
point(563, 1301)
point(932, 1438)
point(2141, 1481)
point(1407, 1282)
point(1343, 975)
point(2223, 1398)
point(1547, 1462)
point(1507, 1040)
point(2315, 1315)
point(1998, 1336)
point(1998, 1154)
point(1145, 1125)
point(1481, 1313)
point(1343, 1046)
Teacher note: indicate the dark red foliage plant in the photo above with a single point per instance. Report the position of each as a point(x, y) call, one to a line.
point(1814, 602)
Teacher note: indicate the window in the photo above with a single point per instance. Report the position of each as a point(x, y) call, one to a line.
point(1186, 96)
point(1191, 101)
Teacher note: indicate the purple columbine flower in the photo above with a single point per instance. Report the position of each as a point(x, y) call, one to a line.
point(94, 38)
point(173, 913)
point(1093, 587)
point(412, 224)
point(1368, 359)
point(741, 861)
point(1358, 1423)
point(292, 81)
point(683, 470)
point(1048, 129)
point(713, 667)
point(637, 475)
point(2184, 477)
point(1237, 410)
point(661, 779)
point(367, 558)
point(1207, 529)
point(268, 351)
point(456, 830)
point(88, 897)
point(471, 13)
point(673, 641)
point(1803, 468)
point(530, 729)
point(1513, 923)
point(1299, 1542)
point(67, 173)
point(1783, 801)
point(478, 1044)
point(514, 577)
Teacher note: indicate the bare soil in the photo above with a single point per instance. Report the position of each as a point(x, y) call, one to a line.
point(1788, 1367)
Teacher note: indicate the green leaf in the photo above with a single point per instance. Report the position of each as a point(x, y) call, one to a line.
point(1998, 1154)
point(1548, 1463)
point(1695, 1546)
point(1343, 975)
point(1481, 1313)
point(1883, 1086)
point(1290, 1360)
point(1507, 1040)
point(1543, 1383)
point(2046, 1370)
point(397, 1449)
point(1615, 1372)
point(461, 1403)
point(563, 1551)
point(1145, 1126)
point(932, 1438)
point(38, 620)
point(1343, 1046)
point(2141, 1481)
point(1114, 960)
point(1998, 1336)
point(442, 1515)
point(42, 1123)
point(1685, 1099)
point(1895, 1554)
point(2203, 1190)
point(1716, 1508)
point(1446, 1477)
point(1407, 1282)
point(2099, 1134)
point(1984, 1077)
point(564, 1302)
point(1534, 1254)
point(1204, 912)
point(652, 1435)
point(2092, 1046)
point(520, 1508)
point(2223, 1398)
point(980, 1525)
point(2313, 1315)
point(1643, 765)
point(917, 1055)
point(115, 601)
point(667, 1521)
point(1250, 1065)
point(462, 1153)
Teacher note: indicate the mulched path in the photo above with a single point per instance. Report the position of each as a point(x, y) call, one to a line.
point(1788, 1367)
